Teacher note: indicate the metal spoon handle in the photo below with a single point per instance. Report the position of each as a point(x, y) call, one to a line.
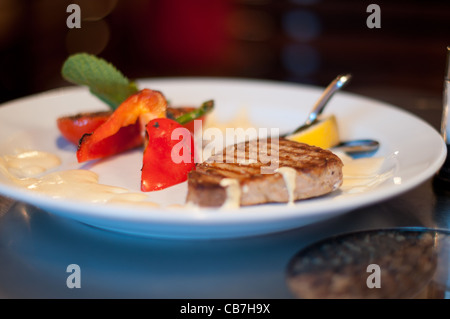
point(339, 82)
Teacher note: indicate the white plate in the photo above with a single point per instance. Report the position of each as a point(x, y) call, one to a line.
point(414, 148)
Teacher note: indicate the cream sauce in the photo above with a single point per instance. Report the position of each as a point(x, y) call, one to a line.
point(187, 205)
point(29, 163)
point(30, 170)
point(361, 174)
point(289, 174)
point(233, 190)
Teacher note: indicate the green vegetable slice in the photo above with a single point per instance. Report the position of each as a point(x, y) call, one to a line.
point(205, 108)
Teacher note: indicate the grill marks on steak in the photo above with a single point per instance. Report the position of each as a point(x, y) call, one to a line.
point(255, 166)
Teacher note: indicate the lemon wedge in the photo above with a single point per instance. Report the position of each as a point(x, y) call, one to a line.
point(322, 134)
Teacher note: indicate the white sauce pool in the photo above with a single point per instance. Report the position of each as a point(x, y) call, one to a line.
point(362, 174)
point(30, 170)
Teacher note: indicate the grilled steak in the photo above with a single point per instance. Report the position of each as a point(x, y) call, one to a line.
point(243, 174)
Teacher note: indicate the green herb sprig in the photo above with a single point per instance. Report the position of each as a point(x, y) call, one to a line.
point(110, 85)
point(101, 77)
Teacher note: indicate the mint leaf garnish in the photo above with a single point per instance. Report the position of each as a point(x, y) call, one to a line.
point(103, 79)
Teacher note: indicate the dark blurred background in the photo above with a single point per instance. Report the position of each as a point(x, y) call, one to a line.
point(304, 41)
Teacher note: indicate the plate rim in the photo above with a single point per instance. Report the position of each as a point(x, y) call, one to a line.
point(205, 217)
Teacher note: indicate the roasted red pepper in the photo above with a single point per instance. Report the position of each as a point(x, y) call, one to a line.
point(123, 130)
point(168, 156)
point(74, 127)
